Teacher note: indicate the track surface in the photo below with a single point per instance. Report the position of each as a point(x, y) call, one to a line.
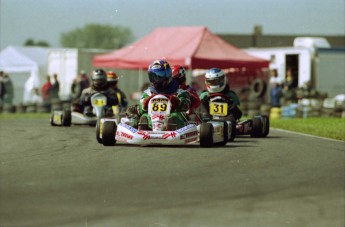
point(63, 177)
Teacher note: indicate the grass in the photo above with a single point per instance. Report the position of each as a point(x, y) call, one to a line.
point(326, 127)
point(6, 116)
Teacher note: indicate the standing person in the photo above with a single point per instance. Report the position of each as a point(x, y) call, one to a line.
point(276, 88)
point(161, 82)
point(8, 89)
point(55, 88)
point(179, 75)
point(112, 80)
point(46, 89)
point(290, 85)
point(216, 84)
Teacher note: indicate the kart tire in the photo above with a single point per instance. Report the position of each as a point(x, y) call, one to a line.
point(233, 129)
point(258, 88)
point(206, 134)
point(108, 133)
point(225, 134)
point(67, 118)
point(257, 127)
point(98, 131)
point(266, 119)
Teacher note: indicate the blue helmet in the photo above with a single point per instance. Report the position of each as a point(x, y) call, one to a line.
point(160, 74)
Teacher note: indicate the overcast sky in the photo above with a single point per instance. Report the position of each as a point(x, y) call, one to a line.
point(47, 19)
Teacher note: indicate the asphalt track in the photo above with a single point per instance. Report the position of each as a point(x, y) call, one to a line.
point(63, 177)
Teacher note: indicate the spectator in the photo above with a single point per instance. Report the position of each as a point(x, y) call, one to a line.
point(46, 90)
point(290, 87)
point(36, 98)
point(54, 91)
point(275, 88)
point(8, 89)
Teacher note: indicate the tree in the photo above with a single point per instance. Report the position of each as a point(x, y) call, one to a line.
point(31, 42)
point(97, 36)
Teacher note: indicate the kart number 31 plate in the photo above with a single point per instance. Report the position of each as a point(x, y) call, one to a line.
point(99, 102)
point(219, 109)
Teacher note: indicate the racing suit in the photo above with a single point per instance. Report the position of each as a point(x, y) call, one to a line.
point(234, 102)
point(180, 105)
point(194, 97)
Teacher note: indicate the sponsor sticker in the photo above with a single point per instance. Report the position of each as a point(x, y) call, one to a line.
point(185, 128)
point(130, 128)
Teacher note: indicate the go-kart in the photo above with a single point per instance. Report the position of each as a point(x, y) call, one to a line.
point(258, 126)
point(98, 109)
point(221, 108)
point(163, 132)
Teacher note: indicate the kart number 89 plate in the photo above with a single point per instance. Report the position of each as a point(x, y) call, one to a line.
point(219, 109)
point(99, 102)
point(159, 107)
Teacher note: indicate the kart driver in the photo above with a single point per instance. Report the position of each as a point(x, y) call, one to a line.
point(216, 84)
point(179, 74)
point(99, 84)
point(112, 80)
point(161, 82)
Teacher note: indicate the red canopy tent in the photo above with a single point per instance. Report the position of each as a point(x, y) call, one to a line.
point(191, 47)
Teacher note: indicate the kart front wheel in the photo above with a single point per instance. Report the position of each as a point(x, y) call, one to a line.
point(233, 129)
point(108, 133)
point(206, 134)
point(225, 134)
point(98, 131)
point(67, 118)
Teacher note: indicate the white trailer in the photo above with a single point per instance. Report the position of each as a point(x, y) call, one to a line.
point(67, 64)
point(311, 60)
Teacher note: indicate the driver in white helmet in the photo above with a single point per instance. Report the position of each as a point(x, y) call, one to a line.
point(216, 84)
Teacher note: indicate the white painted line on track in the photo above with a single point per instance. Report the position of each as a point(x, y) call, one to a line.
point(303, 134)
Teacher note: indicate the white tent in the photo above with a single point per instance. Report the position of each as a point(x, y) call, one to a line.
point(27, 67)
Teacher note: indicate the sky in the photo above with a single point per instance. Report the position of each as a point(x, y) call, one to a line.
point(46, 19)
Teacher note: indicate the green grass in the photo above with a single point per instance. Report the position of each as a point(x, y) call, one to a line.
point(326, 127)
point(6, 116)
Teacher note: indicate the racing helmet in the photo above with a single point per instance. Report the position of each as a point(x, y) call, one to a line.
point(215, 80)
point(160, 74)
point(99, 79)
point(112, 76)
point(179, 74)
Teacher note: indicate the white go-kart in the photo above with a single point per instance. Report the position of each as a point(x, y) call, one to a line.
point(162, 132)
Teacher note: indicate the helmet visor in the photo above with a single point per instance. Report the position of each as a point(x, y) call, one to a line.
point(219, 81)
point(159, 79)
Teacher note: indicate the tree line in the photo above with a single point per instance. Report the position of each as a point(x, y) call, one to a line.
point(91, 36)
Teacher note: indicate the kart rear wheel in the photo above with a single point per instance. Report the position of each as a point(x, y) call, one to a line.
point(206, 135)
point(67, 118)
point(266, 125)
point(108, 133)
point(98, 131)
point(257, 127)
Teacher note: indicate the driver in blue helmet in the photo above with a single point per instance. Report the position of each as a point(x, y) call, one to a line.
point(161, 82)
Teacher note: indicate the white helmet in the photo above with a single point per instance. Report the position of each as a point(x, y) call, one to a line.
point(215, 80)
